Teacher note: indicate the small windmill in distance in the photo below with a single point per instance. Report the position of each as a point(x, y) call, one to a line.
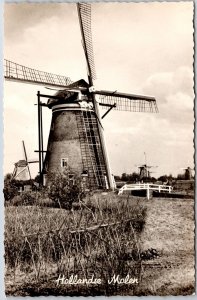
point(144, 170)
point(188, 173)
point(21, 167)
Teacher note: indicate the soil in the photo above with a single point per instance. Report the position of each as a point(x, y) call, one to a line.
point(169, 229)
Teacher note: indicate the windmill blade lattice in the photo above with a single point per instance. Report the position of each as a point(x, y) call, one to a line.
point(128, 102)
point(17, 72)
point(84, 12)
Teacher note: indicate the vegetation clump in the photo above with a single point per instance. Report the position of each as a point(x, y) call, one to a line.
point(64, 189)
point(10, 189)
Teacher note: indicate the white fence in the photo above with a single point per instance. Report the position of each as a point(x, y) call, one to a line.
point(145, 186)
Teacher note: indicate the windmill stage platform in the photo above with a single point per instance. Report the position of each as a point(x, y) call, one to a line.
point(145, 186)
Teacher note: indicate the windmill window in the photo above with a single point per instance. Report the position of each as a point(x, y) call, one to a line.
point(64, 162)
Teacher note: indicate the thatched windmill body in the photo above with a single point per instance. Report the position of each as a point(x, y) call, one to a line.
point(76, 134)
point(21, 167)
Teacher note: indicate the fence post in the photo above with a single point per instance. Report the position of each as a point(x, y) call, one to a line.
point(148, 192)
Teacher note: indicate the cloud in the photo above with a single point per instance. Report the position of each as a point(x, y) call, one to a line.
point(181, 102)
point(165, 84)
point(159, 85)
point(183, 80)
point(174, 94)
point(19, 17)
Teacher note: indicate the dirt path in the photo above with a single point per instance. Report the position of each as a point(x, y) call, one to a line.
point(169, 229)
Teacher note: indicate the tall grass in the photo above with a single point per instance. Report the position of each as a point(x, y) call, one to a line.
point(99, 237)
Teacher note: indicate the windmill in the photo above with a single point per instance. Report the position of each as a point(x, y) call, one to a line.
point(144, 170)
point(188, 173)
point(76, 133)
point(21, 167)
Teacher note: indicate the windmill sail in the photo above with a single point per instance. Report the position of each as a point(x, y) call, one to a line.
point(128, 102)
point(17, 72)
point(25, 153)
point(84, 12)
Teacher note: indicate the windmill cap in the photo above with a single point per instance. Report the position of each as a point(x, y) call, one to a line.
point(66, 95)
point(80, 83)
point(21, 163)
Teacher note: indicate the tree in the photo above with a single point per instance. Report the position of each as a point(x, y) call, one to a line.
point(130, 177)
point(124, 177)
point(181, 176)
point(7, 177)
point(134, 177)
point(65, 188)
point(166, 178)
point(116, 177)
point(163, 178)
point(147, 179)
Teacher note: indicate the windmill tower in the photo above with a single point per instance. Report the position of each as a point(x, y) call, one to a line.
point(76, 133)
point(21, 168)
point(188, 173)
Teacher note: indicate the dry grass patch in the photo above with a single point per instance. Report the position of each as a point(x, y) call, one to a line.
point(96, 238)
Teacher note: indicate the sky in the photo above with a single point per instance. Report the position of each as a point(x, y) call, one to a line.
point(142, 48)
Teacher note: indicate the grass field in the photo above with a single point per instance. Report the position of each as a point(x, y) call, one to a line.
point(168, 228)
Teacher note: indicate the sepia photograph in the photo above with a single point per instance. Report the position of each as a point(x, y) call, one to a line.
point(98, 163)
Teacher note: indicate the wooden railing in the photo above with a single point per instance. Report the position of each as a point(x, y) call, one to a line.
point(145, 186)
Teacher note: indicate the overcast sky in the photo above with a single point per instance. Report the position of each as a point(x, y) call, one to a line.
point(144, 48)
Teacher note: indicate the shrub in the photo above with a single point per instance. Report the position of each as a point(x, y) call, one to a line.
point(63, 190)
point(28, 198)
point(10, 190)
point(25, 199)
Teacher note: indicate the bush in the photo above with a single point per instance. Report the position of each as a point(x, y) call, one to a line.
point(10, 190)
point(28, 198)
point(25, 199)
point(63, 190)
